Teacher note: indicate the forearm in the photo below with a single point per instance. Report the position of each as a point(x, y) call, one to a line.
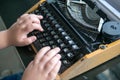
point(16, 35)
point(4, 41)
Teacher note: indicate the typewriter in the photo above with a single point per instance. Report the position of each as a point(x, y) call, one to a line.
point(85, 33)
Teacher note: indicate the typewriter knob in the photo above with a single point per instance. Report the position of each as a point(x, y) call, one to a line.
point(111, 31)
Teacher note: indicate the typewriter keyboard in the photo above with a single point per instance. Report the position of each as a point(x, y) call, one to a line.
point(57, 34)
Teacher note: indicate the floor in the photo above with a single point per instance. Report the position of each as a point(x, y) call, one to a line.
point(10, 10)
point(9, 57)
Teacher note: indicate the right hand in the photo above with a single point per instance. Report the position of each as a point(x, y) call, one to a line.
point(45, 66)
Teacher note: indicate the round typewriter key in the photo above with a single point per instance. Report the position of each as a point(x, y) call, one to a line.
point(48, 38)
point(66, 62)
point(74, 47)
point(45, 34)
point(36, 11)
point(40, 35)
point(53, 32)
point(67, 38)
point(70, 55)
point(54, 22)
point(45, 44)
point(43, 21)
point(47, 25)
point(51, 18)
point(71, 42)
point(60, 29)
point(51, 42)
point(42, 8)
point(57, 26)
point(62, 45)
point(54, 46)
point(45, 11)
point(64, 33)
point(48, 15)
point(65, 50)
point(62, 55)
point(49, 29)
point(42, 40)
point(59, 41)
point(56, 36)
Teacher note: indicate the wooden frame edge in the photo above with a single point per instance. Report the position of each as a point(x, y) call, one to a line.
point(35, 6)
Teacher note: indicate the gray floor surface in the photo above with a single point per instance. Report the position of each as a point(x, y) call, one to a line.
point(9, 57)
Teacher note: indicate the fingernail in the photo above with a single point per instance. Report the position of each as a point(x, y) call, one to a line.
point(57, 48)
point(59, 56)
point(48, 46)
point(41, 16)
point(42, 29)
point(59, 62)
point(34, 38)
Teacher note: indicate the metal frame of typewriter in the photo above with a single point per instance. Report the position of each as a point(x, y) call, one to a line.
point(89, 61)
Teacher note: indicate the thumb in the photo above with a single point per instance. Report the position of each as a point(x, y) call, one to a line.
point(29, 40)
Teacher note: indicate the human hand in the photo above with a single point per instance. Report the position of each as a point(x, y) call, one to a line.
point(22, 27)
point(45, 66)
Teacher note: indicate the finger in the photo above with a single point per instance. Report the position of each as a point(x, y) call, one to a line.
point(40, 16)
point(30, 27)
point(30, 65)
point(35, 18)
point(37, 27)
point(40, 54)
point(54, 72)
point(51, 64)
point(31, 18)
point(49, 55)
point(29, 40)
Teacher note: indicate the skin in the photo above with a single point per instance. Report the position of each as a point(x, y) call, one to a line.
point(45, 66)
point(46, 63)
point(16, 35)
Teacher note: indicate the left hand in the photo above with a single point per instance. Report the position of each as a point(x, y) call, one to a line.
point(19, 30)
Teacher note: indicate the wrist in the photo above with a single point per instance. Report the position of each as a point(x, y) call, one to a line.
point(8, 40)
point(9, 37)
point(4, 42)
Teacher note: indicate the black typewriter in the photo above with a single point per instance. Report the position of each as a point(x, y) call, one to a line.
point(60, 30)
point(58, 33)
